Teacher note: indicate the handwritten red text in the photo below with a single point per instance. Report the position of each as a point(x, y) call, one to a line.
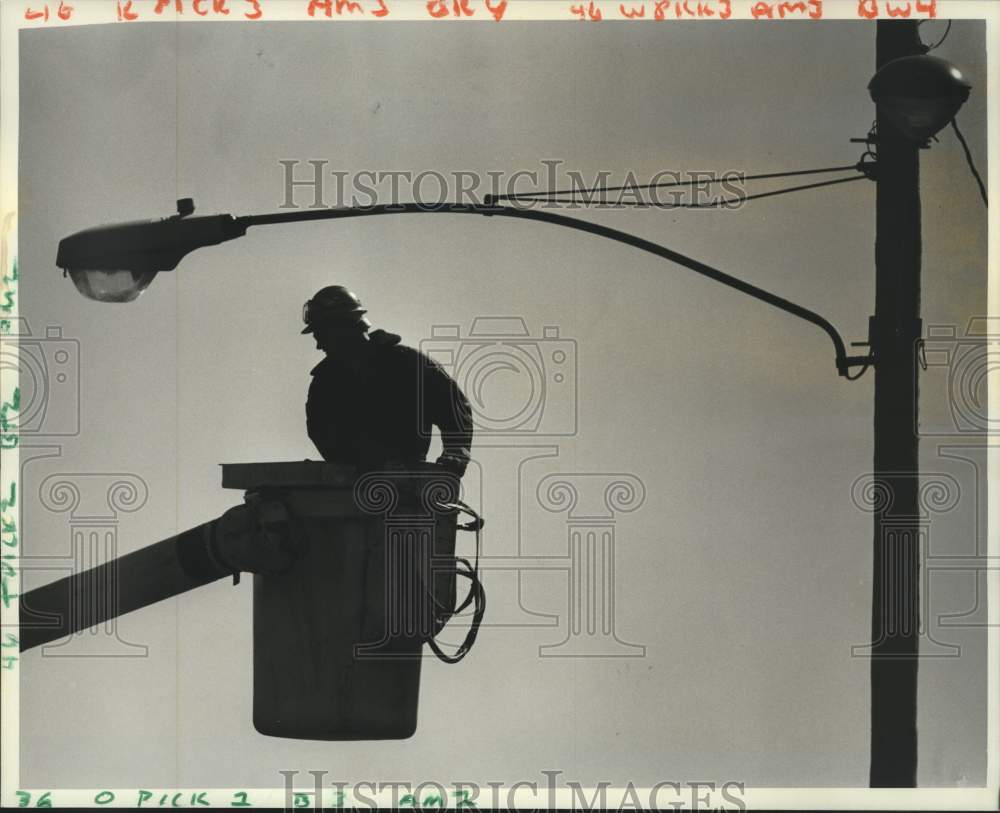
point(329, 8)
point(813, 9)
point(64, 12)
point(870, 9)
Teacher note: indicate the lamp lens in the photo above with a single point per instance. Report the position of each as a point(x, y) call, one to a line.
point(919, 119)
point(111, 286)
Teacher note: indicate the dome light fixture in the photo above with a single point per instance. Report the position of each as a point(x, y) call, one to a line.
point(919, 94)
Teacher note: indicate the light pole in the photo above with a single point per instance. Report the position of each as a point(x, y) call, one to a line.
point(903, 125)
point(895, 332)
point(916, 95)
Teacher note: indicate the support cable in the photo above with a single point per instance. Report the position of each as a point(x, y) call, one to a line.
point(969, 160)
point(936, 45)
point(668, 184)
point(728, 202)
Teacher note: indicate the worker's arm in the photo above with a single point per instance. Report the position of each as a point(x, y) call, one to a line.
point(448, 409)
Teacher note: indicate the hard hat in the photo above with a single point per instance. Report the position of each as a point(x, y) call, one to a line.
point(333, 303)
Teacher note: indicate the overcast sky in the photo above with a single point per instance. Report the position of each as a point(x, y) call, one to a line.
point(746, 573)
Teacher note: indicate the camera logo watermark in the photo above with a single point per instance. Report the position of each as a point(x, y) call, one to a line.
point(958, 363)
point(48, 374)
point(517, 384)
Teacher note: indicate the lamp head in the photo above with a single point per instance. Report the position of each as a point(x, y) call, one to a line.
point(919, 94)
point(116, 263)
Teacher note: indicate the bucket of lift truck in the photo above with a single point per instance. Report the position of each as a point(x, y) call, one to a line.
point(338, 636)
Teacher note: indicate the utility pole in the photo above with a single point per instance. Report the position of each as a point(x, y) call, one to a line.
point(894, 335)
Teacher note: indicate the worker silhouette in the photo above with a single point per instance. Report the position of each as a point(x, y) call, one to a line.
point(373, 400)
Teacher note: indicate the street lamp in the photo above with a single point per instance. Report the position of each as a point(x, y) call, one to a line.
point(117, 263)
point(919, 94)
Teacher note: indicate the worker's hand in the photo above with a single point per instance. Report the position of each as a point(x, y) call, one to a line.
point(455, 464)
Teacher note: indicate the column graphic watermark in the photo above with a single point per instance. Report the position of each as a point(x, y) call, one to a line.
point(94, 503)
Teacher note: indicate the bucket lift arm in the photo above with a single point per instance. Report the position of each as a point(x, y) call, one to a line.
point(250, 538)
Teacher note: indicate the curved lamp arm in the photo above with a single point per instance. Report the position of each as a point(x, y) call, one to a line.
point(491, 209)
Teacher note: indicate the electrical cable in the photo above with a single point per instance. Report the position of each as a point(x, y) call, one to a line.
point(476, 594)
point(970, 161)
point(466, 646)
point(734, 202)
point(944, 36)
point(666, 184)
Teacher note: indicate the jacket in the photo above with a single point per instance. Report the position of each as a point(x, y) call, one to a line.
point(385, 412)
